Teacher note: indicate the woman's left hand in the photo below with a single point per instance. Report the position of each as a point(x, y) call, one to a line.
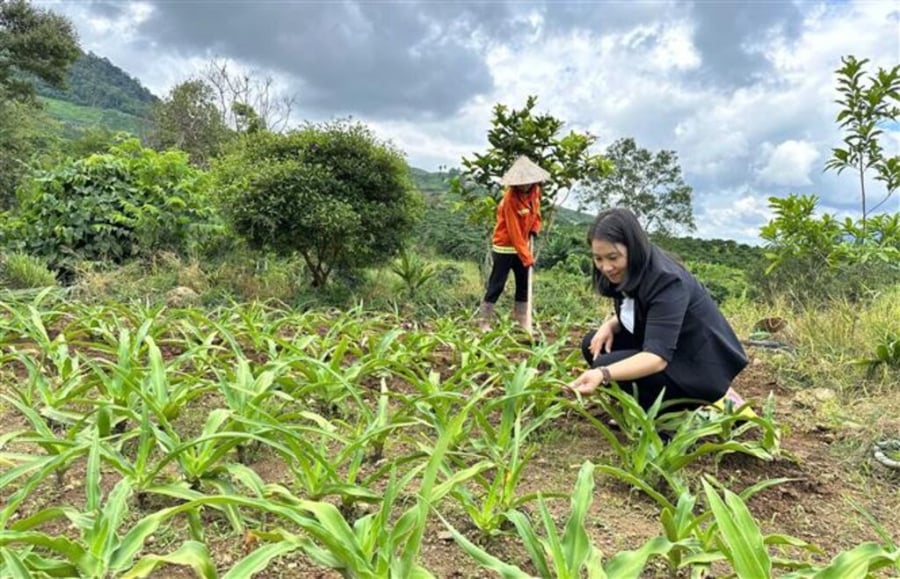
point(587, 382)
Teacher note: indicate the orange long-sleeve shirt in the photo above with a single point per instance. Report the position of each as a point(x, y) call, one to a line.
point(518, 216)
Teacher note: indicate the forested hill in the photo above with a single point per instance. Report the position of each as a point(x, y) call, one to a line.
point(94, 81)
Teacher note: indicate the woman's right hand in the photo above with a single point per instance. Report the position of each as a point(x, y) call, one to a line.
point(602, 341)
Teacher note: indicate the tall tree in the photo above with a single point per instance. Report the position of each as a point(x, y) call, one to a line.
point(865, 107)
point(33, 43)
point(248, 102)
point(36, 41)
point(188, 119)
point(524, 132)
point(650, 185)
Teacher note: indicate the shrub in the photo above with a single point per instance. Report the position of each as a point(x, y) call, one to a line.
point(332, 193)
point(821, 258)
point(125, 203)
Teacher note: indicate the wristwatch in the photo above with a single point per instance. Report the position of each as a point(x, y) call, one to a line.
point(606, 377)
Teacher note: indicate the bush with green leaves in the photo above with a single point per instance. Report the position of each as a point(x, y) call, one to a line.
point(333, 193)
point(122, 204)
point(821, 257)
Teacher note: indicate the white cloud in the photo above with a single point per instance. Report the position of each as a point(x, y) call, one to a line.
point(788, 163)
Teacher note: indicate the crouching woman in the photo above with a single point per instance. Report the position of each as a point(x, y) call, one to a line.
point(666, 332)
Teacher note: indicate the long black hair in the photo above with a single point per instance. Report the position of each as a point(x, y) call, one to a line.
point(619, 225)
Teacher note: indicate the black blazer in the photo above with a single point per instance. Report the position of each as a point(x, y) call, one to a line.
point(676, 319)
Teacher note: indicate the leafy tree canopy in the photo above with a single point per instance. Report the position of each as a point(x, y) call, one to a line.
point(35, 41)
point(333, 193)
point(188, 119)
point(649, 184)
point(525, 132)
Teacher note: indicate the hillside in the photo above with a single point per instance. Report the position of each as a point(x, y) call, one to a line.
point(78, 118)
point(94, 81)
point(98, 94)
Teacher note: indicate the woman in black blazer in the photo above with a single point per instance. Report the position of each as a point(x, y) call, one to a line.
point(666, 331)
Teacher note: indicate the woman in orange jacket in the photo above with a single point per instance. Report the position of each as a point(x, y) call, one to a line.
point(518, 219)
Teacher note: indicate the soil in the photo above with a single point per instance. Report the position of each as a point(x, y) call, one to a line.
point(827, 461)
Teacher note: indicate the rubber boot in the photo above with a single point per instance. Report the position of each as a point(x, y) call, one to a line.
point(485, 316)
point(520, 313)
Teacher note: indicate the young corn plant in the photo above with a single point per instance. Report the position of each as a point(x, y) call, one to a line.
point(168, 396)
point(61, 449)
point(648, 459)
point(252, 397)
point(739, 541)
point(316, 455)
point(384, 543)
point(569, 554)
point(506, 448)
point(118, 376)
point(99, 551)
point(690, 539)
point(108, 542)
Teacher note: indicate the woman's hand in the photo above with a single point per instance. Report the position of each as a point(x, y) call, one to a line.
point(587, 382)
point(603, 339)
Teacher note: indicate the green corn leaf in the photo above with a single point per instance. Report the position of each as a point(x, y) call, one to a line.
point(333, 530)
point(553, 544)
point(69, 549)
point(630, 564)
point(13, 567)
point(740, 533)
point(530, 540)
point(103, 537)
point(485, 559)
point(43, 516)
point(259, 559)
point(576, 543)
point(190, 554)
point(859, 562)
point(92, 478)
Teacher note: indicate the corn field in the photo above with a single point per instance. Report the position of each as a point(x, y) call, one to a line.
point(384, 432)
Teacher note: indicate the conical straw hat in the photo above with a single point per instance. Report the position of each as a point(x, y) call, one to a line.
point(524, 172)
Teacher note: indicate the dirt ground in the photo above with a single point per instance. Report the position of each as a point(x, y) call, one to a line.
point(827, 446)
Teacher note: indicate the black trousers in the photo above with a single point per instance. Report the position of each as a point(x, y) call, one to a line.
point(503, 263)
point(648, 388)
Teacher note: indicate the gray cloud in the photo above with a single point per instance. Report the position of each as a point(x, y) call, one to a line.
point(380, 59)
point(726, 30)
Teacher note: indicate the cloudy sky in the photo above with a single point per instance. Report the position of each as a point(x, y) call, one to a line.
point(742, 90)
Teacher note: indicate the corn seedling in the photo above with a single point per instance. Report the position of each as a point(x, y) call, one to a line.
point(566, 555)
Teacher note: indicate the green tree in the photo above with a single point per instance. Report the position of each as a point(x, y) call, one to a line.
point(35, 41)
point(866, 105)
point(333, 193)
point(524, 132)
point(25, 131)
point(650, 185)
point(188, 119)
